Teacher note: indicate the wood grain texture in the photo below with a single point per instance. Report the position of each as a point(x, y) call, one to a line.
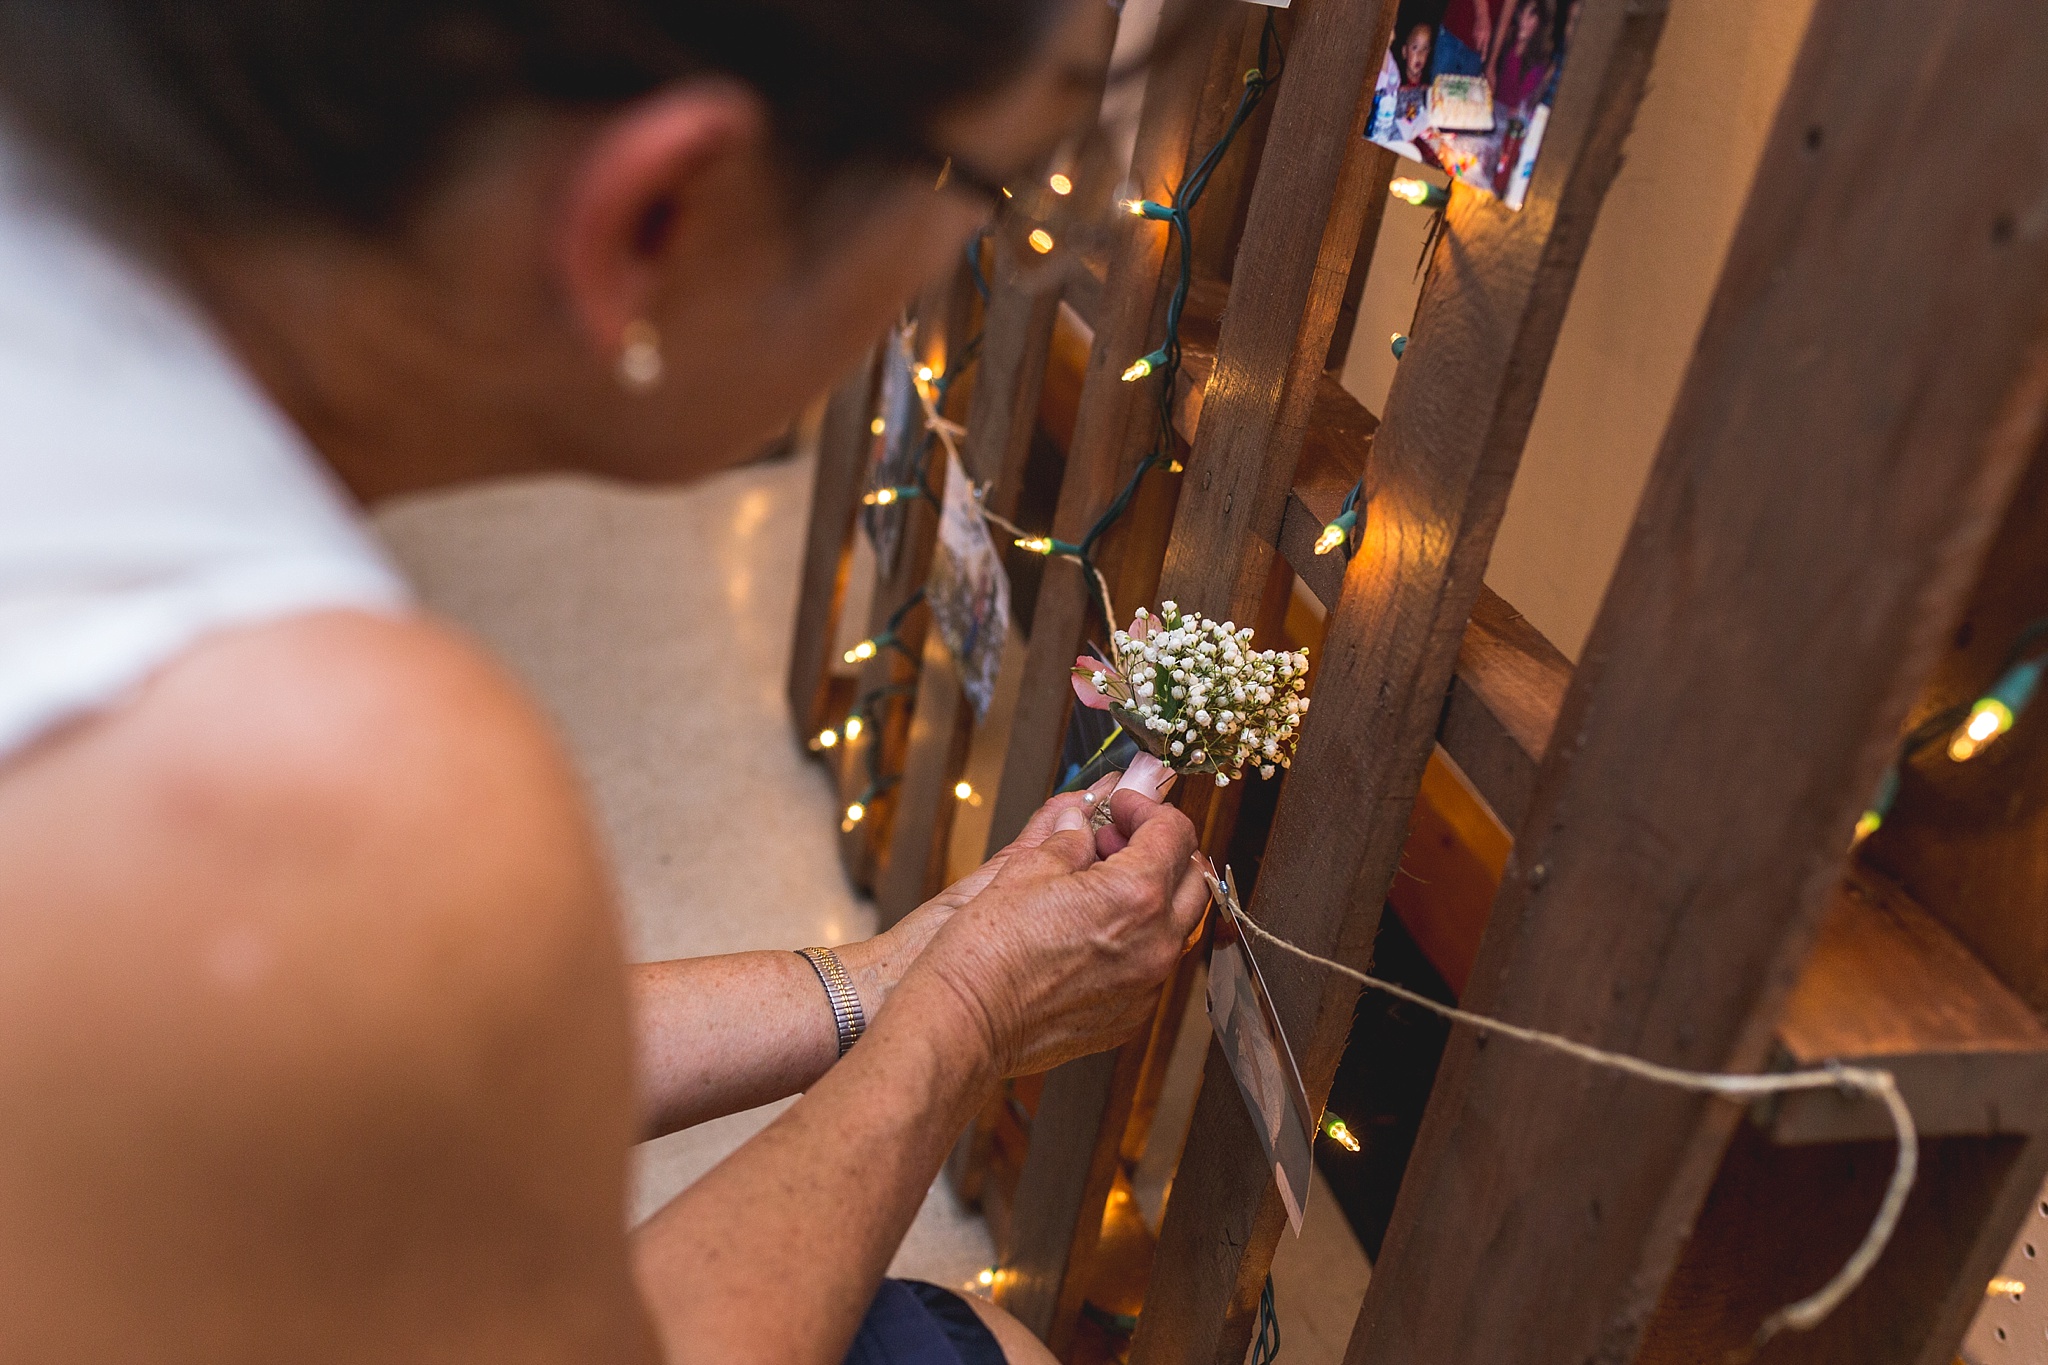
point(1443, 458)
point(1971, 839)
point(1346, 328)
point(942, 316)
point(1505, 697)
point(1780, 1220)
point(1888, 986)
point(1069, 1170)
point(1301, 239)
point(1114, 421)
point(828, 542)
point(1072, 1159)
point(1855, 418)
point(1016, 332)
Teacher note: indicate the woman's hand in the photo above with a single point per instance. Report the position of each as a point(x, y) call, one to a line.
point(1063, 951)
point(879, 963)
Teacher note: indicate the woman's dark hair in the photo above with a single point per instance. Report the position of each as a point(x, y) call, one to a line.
point(237, 113)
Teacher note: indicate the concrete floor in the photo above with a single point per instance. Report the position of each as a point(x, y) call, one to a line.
point(654, 627)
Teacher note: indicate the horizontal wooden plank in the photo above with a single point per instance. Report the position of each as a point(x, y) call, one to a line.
point(1889, 986)
point(1511, 680)
point(1503, 704)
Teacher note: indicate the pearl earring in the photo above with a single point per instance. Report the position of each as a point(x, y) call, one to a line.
point(640, 363)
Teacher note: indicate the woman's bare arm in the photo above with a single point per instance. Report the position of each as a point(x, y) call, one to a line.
point(1061, 955)
point(316, 1044)
point(717, 1035)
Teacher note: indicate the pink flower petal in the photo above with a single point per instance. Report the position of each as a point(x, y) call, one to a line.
point(1085, 690)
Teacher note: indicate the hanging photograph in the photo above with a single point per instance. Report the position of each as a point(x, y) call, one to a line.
point(969, 594)
point(1249, 1034)
point(1467, 85)
point(895, 455)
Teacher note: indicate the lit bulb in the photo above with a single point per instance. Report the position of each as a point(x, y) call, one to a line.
point(1038, 545)
point(881, 497)
point(963, 791)
point(856, 813)
point(1339, 1132)
point(1399, 345)
point(1060, 184)
point(1989, 719)
point(861, 652)
point(827, 738)
point(853, 728)
point(1143, 366)
point(1337, 533)
point(1135, 207)
point(1867, 824)
point(1041, 241)
point(2004, 1286)
point(1420, 193)
point(925, 374)
point(878, 426)
point(986, 1278)
point(1997, 710)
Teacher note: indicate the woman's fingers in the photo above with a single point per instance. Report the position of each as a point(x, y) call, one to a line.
point(1070, 846)
point(1190, 899)
point(1048, 815)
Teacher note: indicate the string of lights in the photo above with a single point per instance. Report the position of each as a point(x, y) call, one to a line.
point(1337, 534)
point(862, 713)
point(1163, 363)
point(933, 388)
point(1971, 727)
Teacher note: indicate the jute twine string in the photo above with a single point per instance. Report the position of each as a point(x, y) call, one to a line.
point(1806, 1313)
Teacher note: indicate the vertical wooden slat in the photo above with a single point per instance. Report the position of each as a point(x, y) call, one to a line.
point(1071, 1162)
point(1300, 238)
point(1967, 840)
point(835, 498)
point(1444, 457)
point(1016, 332)
point(1857, 412)
point(1115, 425)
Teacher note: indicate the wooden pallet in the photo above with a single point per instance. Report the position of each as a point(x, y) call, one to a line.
point(1847, 520)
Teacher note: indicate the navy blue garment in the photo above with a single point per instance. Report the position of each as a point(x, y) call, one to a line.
point(1454, 57)
point(913, 1323)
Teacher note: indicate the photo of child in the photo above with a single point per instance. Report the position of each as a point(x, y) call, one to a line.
point(1467, 86)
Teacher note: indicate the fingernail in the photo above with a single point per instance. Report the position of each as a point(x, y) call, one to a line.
point(1070, 818)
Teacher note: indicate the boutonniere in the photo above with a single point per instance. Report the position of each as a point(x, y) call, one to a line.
point(1196, 698)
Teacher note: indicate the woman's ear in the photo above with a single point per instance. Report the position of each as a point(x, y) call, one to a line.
point(637, 188)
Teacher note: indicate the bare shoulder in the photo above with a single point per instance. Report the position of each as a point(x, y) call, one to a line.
point(312, 1020)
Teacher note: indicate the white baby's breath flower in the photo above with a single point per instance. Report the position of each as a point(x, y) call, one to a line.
point(1170, 669)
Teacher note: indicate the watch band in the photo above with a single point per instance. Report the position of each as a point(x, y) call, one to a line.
point(847, 1015)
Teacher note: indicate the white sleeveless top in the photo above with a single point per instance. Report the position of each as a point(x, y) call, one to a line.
point(149, 492)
